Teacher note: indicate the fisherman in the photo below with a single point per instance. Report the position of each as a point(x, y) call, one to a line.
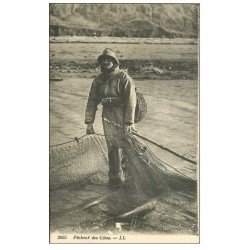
point(115, 90)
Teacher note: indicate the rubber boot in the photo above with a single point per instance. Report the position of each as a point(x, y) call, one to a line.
point(116, 176)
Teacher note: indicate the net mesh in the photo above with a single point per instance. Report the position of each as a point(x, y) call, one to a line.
point(86, 161)
point(79, 161)
point(81, 200)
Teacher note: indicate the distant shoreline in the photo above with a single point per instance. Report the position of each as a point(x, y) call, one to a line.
point(121, 40)
point(142, 61)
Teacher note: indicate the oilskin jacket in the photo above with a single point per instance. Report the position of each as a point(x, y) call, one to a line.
point(116, 91)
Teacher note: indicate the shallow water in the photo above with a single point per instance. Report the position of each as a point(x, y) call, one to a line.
point(171, 120)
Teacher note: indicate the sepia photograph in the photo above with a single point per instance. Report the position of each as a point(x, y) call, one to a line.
point(124, 122)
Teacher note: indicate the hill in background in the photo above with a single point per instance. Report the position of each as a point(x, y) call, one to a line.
point(125, 20)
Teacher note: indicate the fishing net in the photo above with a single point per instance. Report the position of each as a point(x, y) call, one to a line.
point(80, 196)
point(86, 160)
point(78, 161)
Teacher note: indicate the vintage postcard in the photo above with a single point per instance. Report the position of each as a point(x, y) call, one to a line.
point(124, 123)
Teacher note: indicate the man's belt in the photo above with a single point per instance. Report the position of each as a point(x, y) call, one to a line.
point(111, 101)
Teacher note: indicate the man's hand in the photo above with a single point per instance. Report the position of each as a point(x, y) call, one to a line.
point(129, 128)
point(90, 129)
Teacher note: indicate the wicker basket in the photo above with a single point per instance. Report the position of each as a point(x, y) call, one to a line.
point(141, 107)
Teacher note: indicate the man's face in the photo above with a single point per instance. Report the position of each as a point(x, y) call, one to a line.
point(107, 62)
